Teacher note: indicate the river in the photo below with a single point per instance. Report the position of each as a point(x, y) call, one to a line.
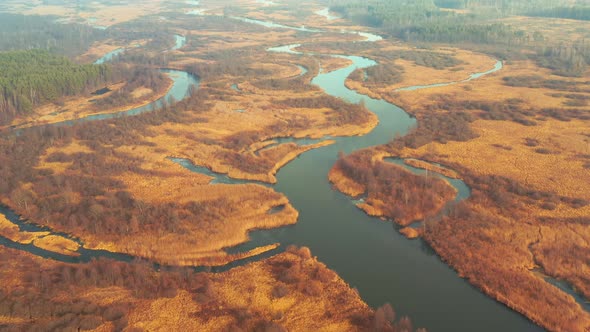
point(366, 252)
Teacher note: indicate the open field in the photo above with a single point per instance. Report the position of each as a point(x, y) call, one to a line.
point(530, 165)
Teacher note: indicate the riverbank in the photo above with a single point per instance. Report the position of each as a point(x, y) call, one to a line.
point(82, 107)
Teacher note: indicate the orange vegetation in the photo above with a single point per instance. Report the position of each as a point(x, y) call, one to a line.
point(12, 232)
point(565, 141)
point(392, 191)
point(289, 291)
point(57, 244)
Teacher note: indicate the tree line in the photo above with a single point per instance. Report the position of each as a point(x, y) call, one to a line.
point(24, 32)
point(581, 13)
point(30, 78)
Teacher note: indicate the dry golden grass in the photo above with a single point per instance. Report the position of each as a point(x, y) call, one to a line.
point(251, 287)
point(42, 240)
point(411, 233)
point(419, 75)
point(345, 184)
point(329, 64)
point(13, 233)
point(522, 163)
point(491, 88)
point(97, 51)
point(57, 244)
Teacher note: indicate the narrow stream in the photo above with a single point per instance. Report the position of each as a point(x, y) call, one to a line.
point(498, 66)
point(179, 42)
point(109, 56)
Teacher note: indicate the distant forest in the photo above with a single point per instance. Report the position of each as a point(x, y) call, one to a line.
point(33, 77)
point(574, 13)
point(20, 32)
point(430, 21)
point(424, 21)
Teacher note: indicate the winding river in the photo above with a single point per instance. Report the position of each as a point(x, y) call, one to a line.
point(367, 252)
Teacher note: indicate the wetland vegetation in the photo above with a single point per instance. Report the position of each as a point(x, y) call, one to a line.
point(498, 96)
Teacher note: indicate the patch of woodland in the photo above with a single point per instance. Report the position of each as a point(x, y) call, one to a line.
point(569, 60)
point(31, 78)
point(343, 113)
point(393, 192)
point(573, 12)
point(158, 34)
point(573, 99)
point(512, 109)
point(385, 74)
point(310, 277)
point(50, 295)
point(291, 84)
point(136, 77)
point(26, 32)
point(538, 81)
point(440, 126)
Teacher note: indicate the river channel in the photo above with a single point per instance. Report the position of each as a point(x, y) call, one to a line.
point(366, 252)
